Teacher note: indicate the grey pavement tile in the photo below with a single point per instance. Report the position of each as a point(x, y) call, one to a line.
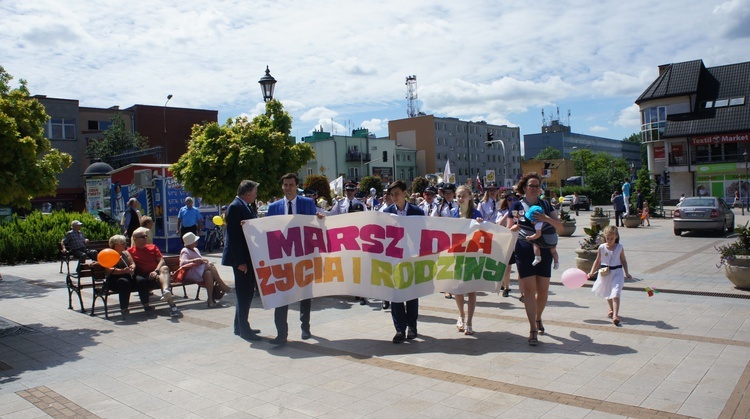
point(12, 403)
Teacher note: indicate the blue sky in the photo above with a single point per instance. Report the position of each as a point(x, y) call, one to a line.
point(342, 64)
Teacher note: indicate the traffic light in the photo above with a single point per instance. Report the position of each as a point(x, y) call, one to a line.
point(490, 136)
point(385, 156)
point(666, 177)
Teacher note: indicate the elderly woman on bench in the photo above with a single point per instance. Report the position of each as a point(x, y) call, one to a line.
point(120, 277)
point(200, 270)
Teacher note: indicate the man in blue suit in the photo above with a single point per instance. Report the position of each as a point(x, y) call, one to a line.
point(237, 255)
point(404, 315)
point(292, 204)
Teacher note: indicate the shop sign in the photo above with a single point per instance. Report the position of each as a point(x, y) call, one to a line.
point(720, 139)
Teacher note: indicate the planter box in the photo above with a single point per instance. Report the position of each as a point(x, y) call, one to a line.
point(738, 272)
point(631, 221)
point(569, 227)
point(600, 221)
point(585, 260)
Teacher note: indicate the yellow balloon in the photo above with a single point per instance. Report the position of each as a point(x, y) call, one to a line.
point(561, 199)
point(218, 220)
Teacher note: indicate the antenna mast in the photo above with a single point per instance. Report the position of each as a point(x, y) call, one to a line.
point(412, 107)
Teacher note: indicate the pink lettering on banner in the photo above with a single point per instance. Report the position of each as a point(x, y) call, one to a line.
point(395, 233)
point(345, 237)
point(433, 241)
point(280, 245)
point(372, 236)
point(315, 240)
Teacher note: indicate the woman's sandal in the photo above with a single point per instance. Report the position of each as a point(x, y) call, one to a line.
point(532, 338)
point(460, 325)
point(540, 327)
point(468, 330)
point(616, 321)
point(212, 305)
point(610, 314)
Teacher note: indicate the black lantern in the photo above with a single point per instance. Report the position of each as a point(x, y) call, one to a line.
point(267, 83)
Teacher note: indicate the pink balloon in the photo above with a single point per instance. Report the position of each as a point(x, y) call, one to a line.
point(574, 278)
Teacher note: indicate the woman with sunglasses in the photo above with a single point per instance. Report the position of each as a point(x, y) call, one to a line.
point(534, 279)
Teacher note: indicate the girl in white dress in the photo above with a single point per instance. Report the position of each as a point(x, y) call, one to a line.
point(612, 255)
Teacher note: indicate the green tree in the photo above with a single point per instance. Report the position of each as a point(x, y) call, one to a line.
point(321, 185)
point(549, 153)
point(219, 157)
point(368, 182)
point(28, 161)
point(419, 184)
point(117, 140)
point(644, 183)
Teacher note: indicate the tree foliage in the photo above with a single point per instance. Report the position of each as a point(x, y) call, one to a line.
point(419, 184)
point(219, 157)
point(549, 153)
point(321, 185)
point(368, 182)
point(117, 140)
point(28, 162)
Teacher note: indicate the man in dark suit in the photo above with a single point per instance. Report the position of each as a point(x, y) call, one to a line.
point(237, 255)
point(404, 315)
point(292, 204)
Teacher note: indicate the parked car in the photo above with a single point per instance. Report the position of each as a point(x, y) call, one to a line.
point(703, 213)
point(262, 210)
point(583, 202)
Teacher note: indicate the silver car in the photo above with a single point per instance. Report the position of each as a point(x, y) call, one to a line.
point(703, 213)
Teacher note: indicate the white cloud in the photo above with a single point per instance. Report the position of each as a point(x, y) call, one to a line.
point(630, 117)
point(598, 129)
point(376, 126)
point(348, 60)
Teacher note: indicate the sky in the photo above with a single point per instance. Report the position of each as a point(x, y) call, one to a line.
point(342, 65)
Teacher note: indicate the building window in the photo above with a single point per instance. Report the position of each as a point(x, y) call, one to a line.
point(99, 125)
point(62, 129)
point(309, 171)
point(737, 101)
point(653, 123)
point(354, 173)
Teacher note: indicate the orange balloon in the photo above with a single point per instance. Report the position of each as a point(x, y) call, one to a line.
point(108, 258)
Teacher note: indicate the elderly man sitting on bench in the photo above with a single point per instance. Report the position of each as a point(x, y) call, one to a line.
point(75, 243)
point(150, 266)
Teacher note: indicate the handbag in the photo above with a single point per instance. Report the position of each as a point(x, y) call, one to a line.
point(217, 293)
point(604, 271)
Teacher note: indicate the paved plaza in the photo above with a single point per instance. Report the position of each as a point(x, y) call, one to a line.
point(685, 352)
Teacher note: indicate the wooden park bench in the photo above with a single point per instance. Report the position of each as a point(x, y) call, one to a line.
point(92, 276)
point(66, 257)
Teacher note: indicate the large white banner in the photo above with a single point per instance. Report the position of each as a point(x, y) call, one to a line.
point(374, 254)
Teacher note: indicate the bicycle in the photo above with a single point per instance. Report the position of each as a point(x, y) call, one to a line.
point(214, 239)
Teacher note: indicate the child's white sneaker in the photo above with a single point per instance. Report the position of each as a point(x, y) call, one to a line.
point(536, 261)
point(556, 266)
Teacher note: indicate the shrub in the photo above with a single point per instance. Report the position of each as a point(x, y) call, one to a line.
point(37, 237)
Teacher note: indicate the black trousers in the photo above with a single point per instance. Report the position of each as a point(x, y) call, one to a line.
point(192, 229)
point(123, 285)
point(244, 284)
point(82, 254)
point(618, 218)
point(281, 313)
point(405, 314)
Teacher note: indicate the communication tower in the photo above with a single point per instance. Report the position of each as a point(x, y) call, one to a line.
point(412, 107)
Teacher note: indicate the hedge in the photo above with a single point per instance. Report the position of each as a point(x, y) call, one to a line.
point(36, 237)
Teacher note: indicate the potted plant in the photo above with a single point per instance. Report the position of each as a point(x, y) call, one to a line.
point(568, 222)
point(586, 255)
point(735, 258)
point(598, 218)
point(633, 220)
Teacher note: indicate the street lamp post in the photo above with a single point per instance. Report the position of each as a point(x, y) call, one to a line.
point(166, 147)
point(267, 84)
point(747, 194)
point(505, 157)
